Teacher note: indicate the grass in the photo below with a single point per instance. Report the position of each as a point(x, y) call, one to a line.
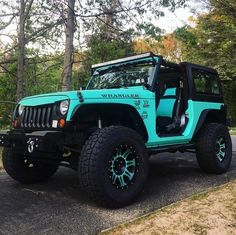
point(232, 130)
point(211, 212)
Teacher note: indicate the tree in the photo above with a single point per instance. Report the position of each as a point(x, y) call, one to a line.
point(168, 46)
point(21, 49)
point(224, 7)
point(108, 35)
point(40, 25)
point(212, 43)
point(69, 46)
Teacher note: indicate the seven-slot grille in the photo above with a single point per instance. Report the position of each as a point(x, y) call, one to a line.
point(37, 117)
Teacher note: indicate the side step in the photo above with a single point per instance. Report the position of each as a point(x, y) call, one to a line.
point(174, 148)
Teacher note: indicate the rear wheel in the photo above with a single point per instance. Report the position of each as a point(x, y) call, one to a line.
point(22, 169)
point(113, 166)
point(214, 148)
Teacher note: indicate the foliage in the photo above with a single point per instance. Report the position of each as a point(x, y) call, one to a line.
point(229, 91)
point(100, 50)
point(168, 46)
point(148, 31)
point(211, 43)
point(224, 7)
point(108, 35)
point(7, 93)
point(42, 75)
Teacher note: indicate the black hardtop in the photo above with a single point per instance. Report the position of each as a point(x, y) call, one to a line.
point(208, 69)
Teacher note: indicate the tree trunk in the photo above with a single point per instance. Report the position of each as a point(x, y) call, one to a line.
point(69, 33)
point(20, 91)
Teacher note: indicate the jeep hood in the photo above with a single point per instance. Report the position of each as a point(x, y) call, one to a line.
point(137, 92)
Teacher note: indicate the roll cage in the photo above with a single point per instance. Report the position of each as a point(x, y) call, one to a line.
point(157, 61)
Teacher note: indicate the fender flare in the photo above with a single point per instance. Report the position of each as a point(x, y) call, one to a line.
point(109, 108)
point(210, 115)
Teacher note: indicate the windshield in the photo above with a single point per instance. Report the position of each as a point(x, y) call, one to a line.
point(121, 76)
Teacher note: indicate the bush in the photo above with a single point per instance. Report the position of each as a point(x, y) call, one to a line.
point(229, 90)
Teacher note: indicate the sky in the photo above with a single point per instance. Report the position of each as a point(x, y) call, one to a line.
point(178, 18)
point(173, 20)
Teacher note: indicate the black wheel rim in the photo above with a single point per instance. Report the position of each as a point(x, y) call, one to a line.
point(123, 166)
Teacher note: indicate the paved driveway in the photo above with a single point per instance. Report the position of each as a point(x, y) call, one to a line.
point(59, 207)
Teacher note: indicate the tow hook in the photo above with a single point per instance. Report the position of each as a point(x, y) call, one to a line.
point(32, 144)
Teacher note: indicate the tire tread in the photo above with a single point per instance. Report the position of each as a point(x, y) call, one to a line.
point(88, 161)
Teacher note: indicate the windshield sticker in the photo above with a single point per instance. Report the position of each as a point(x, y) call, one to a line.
point(120, 96)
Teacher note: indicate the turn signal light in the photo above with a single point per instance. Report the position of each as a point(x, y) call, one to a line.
point(61, 122)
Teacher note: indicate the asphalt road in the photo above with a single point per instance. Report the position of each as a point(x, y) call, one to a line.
point(59, 207)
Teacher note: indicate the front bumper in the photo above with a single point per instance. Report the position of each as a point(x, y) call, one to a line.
point(34, 142)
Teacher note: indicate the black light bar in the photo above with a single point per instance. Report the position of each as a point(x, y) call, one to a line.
point(126, 59)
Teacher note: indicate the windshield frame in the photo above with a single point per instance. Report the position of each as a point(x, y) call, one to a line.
point(155, 60)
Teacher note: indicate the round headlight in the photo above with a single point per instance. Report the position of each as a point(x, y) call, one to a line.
point(20, 109)
point(64, 105)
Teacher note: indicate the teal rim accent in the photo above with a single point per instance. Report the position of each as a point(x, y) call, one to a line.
point(220, 148)
point(123, 166)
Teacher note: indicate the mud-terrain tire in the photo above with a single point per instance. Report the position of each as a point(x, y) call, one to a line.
point(113, 166)
point(214, 148)
point(20, 169)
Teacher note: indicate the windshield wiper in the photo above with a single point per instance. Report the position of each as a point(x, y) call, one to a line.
point(116, 86)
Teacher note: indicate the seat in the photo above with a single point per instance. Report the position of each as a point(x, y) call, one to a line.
point(166, 109)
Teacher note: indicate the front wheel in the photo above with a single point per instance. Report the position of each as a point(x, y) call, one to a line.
point(20, 168)
point(214, 148)
point(113, 166)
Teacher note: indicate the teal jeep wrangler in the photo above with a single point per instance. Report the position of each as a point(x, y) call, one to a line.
point(131, 108)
